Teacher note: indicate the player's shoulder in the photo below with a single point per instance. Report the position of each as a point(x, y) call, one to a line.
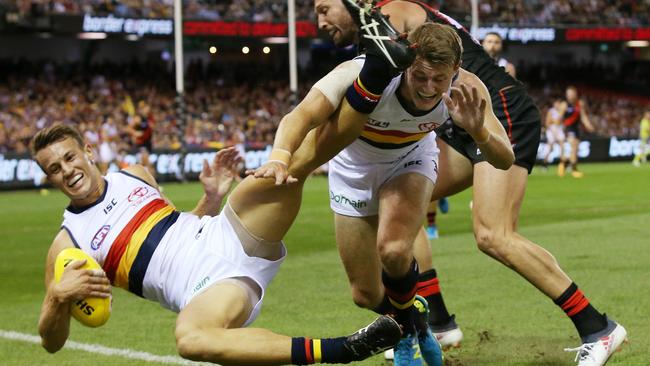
point(466, 77)
point(399, 6)
point(61, 241)
point(582, 103)
point(63, 238)
point(355, 63)
point(407, 14)
point(141, 173)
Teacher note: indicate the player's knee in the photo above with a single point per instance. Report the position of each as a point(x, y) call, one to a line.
point(364, 297)
point(189, 345)
point(395, 255)
point(491, 241)
point(186, 346)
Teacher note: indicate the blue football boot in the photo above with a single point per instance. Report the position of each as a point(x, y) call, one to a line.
point(429, 346)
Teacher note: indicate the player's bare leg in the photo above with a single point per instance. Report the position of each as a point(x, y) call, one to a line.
point(356, 238)
point(498, 196)
point(208, 329)
point(455, 172)
point(256, 200)
point(402, 207)
point(431, 224)
point(497, 200)
point(455, 176)
point(422, 251)
point(368, 244)
point(574, 142)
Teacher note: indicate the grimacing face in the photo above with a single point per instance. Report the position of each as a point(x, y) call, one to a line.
point(493, 45)
point(335, 19)
point(425, 82)
point(69, 167)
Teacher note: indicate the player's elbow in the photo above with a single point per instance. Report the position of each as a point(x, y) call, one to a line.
point(51, 341)
point(50, 345)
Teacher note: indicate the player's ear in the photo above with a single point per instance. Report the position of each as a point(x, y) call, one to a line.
point(89, 152)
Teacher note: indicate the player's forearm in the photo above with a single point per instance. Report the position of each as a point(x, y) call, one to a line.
point(292, 131)
point(496, 149)
point(54, 323)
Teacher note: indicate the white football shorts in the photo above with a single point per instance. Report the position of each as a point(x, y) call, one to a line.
point(554, 134)
point(198, 252)
point(357, 173)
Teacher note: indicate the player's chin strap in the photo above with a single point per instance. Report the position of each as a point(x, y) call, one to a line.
point(371, 33)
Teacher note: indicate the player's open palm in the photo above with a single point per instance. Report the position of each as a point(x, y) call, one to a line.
point(77, 283)
point(466, 107)
point(217, 178)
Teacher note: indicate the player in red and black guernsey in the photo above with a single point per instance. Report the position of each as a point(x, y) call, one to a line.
point(141, 130)
point(575, 115)
point(498, 194)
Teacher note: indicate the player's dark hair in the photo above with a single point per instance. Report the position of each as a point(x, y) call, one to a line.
point(437, 43)
point(55, 133)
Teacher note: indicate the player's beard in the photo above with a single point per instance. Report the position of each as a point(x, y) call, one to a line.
point(344, 39)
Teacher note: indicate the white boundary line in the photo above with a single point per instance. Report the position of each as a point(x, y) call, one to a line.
point(107, 351)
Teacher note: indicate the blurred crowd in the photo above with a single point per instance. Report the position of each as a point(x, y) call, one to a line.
point(108, 103)
point(226, 10)
point(553, 12)
point(522, 12)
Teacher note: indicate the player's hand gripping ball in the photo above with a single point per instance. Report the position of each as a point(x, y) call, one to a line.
point(92, 311)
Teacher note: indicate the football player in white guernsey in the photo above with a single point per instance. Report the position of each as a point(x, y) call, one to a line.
point(380, 184)
point(554, 130)
point(211, 268)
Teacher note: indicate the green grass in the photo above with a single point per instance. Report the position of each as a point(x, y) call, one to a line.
point(597, 227)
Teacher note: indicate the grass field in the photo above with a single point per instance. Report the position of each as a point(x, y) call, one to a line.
point(597, 227)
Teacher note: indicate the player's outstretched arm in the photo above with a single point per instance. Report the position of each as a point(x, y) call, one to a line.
point(217, 178)
point(75, 284)
point(584, 116)
point(470, 109)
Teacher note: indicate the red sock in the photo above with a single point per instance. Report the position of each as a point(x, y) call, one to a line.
point(431, 218)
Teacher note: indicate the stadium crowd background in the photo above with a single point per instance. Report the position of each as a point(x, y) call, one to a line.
point(222, 110)
point(529, 12)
